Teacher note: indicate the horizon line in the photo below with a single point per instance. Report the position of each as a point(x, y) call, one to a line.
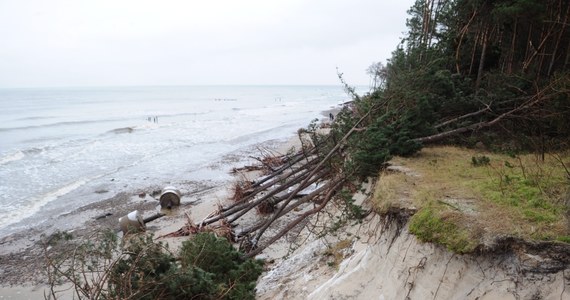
point(170, 85)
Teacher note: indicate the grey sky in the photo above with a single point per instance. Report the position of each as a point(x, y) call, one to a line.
point(187, 42)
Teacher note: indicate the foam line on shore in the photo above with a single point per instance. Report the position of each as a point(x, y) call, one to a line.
point(18, 155)
point(25, 212)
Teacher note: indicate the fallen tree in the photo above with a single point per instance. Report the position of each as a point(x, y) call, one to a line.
point(281, 192)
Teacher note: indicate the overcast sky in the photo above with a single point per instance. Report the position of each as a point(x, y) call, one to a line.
point(187, 42)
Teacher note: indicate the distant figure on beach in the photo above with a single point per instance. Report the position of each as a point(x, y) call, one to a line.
point(331, 116)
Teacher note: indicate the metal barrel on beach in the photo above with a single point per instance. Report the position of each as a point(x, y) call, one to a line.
point(170, 197)
point(133, 222)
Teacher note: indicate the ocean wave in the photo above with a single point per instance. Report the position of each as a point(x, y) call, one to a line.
point(96, 121)
point(41, 140)
point(54, 146)
point(131, 129)
point(41, 149)
point(22, 212)
point(12, 157)
point(35, 118)
point(121, 130)
point(58, 124)
point(182, 114)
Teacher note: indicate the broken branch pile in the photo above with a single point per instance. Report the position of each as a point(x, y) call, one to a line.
point(300, 179)
point(286, 193)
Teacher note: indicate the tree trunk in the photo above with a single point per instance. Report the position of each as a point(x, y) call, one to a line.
point(482, 60)
point(249, 206)
point(536, 51)
point(296, 221)
point(560, 34)
point(464, 31)
point(538, 97)
point(276, 191)
point(291, 207)
point(567, 60)
point(529, 45)
point(473, 51)
point(512, 52)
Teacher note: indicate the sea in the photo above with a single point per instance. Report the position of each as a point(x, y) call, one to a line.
point(60, 146)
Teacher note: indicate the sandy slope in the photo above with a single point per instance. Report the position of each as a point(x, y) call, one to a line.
point(393, 264)
point(384, 261)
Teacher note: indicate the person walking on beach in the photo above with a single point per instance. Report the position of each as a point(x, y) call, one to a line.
point(331, 116)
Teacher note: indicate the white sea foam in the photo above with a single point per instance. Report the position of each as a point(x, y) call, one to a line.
point(17, 213)
point(12, 157)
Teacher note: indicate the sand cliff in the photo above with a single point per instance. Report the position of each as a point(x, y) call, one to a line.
point(387, 262)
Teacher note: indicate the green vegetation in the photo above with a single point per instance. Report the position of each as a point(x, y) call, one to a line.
point(233, 275)
point(430, 225)
point(207, 267)
point(478, 161)
point(458, 203)
point(530, 188)
point(565, 239)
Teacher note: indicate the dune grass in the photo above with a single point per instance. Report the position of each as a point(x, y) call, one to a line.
point(465, 197)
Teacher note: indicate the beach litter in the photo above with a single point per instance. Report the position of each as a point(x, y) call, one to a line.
point(170, 197)
point(131, 223)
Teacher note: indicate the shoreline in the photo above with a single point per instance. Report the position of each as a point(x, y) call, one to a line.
point(22, 273)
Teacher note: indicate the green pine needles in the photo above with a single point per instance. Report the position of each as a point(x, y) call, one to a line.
point(207, 267)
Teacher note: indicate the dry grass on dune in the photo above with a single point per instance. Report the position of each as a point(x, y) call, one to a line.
point(464, 197)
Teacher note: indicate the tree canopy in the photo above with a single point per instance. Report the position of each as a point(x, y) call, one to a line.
point(469, 71)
